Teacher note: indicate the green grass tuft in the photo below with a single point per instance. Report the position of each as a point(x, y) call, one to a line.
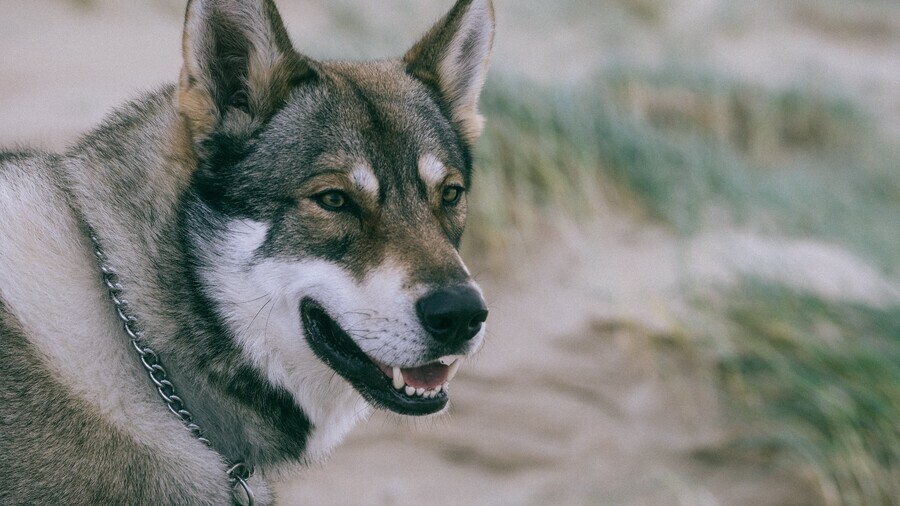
point(693, 152)
point(822, 380)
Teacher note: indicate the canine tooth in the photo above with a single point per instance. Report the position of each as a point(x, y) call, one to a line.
point(398, 378)
point(410, 391)
point(453, 369)
point(438, 389)
point(449, 359)
point(420, 391)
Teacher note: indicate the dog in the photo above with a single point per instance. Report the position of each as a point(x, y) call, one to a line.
point(230, 272)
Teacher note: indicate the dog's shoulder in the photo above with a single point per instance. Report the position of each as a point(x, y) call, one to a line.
point(66, 414)
point(25, 170)
point(67, 441)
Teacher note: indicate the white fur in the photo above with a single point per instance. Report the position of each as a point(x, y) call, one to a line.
point(260, 303)
point(432, 171)
point(260, 299)
point(365, 180)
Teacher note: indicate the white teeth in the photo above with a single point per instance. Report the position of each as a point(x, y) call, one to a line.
point(398, 378)
point(453, 369)
point(399, 382)
point(425, 393)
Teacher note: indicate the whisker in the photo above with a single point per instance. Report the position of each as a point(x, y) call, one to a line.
point(268, 317)
point(257, 315)
point(253, 300)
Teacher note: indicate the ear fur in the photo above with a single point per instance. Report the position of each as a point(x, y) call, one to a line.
point(453, 59)
point(239, 66)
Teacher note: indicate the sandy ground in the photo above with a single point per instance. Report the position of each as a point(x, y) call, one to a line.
point(571, 401)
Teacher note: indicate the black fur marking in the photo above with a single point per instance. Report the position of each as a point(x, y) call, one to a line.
point(225, 183)
point(454, 139)
point(229, 61)
point(213, 180)
point(214, 356)
point(276, 406)
point(12, 156)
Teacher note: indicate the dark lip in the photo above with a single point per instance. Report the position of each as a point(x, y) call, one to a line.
point(338, 351)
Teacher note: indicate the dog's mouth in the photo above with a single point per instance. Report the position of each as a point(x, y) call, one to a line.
point(418, 390)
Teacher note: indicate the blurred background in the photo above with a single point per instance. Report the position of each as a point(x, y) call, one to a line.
point(686, 219)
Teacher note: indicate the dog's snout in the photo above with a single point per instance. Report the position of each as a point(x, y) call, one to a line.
point(452, 315)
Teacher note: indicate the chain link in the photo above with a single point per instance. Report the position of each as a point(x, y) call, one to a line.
point(239, 472)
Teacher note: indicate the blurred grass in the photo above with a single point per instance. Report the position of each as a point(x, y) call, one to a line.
point(818, 380)
point(794, 161)
point(692, 151)
point(822, 382)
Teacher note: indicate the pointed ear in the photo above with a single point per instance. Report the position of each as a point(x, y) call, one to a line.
point(239, 66)
point(453, 59)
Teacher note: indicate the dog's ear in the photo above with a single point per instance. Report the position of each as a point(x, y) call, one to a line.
point(239, 66)
point(453, 59)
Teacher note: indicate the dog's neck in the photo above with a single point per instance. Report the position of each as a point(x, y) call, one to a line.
point(138, 217)
point(238, 472)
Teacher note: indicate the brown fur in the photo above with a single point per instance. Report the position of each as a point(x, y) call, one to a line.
point(242, 137)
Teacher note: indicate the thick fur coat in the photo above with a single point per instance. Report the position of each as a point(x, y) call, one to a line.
point(285, 231)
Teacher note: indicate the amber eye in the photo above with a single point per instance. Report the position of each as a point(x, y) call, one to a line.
point(451, 195)
point(333, 200)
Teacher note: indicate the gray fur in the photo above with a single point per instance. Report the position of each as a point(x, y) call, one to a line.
point(242, 136)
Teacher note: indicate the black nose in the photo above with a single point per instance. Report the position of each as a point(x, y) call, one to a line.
point(452, 315)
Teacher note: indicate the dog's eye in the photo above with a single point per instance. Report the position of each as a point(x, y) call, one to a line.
point(451, 195)
point(333, 200)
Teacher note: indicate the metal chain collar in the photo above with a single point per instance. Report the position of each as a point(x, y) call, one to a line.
point(238, 473)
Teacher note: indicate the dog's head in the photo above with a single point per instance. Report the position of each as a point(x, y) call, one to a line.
point(330, 201)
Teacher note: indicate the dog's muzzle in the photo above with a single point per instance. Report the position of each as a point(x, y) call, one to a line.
point(452, 317)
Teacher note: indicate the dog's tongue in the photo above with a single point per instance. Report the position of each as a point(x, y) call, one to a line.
point(428, 376)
